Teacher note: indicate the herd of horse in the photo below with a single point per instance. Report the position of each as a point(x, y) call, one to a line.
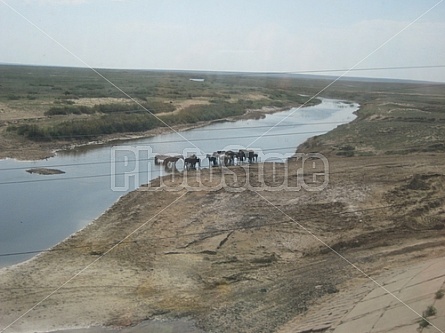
point(218, 158)
point(230, 157)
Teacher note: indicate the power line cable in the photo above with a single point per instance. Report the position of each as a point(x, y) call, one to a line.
point(216, 138)
point(133, 173)
point(219, 231)
point(161, 170)
point(152, 158)
point(74, 276)
point(359, 69)
point(186, 131)
point(179, 141)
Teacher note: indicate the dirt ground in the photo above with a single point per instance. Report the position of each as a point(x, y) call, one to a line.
point(248, 248)
point(232, 253)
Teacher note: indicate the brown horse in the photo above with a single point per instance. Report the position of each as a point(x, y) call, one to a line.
point(170, 162)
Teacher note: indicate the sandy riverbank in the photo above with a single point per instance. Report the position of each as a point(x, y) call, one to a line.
point(229, 261)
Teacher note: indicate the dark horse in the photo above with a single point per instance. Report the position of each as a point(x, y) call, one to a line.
point(190, 162)
point(241, 156)
point(229, 158)
point(252, 156)
point(213, 159)
point(249, 155)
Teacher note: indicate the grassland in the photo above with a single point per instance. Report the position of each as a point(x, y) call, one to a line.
point(53, 106)
point(47, 108)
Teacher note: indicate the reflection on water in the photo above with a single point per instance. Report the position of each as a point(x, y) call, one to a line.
point(37, 211)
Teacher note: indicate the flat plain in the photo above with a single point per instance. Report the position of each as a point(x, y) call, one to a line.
point(238, 259)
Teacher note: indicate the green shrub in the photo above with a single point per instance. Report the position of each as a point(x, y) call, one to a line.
point(423, 323)
point(430, 311)
point(90, 86)
point(348, 148)
point(33, 132)
point(347, 153)
point(65, 110)
point(152, 107)
point(121, 118)
point(106, 124)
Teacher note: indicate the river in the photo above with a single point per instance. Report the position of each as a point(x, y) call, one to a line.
point(38, 211)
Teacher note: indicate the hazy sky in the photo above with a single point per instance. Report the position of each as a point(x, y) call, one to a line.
point(228, 35)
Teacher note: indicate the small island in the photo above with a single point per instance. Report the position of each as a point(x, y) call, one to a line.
point(45, 171)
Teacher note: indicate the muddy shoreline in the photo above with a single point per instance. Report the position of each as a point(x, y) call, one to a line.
point(228, 261)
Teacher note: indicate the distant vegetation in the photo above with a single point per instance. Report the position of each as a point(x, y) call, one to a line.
point(59, 83)
point(121, 122)
point(58, 94)
point(64, 110)
point(394, 117)
point(111, 108)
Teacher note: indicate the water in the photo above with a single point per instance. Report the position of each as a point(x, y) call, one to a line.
point(37, 211)
point(151, 326)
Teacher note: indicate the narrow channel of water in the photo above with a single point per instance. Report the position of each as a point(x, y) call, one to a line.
point(38, 211)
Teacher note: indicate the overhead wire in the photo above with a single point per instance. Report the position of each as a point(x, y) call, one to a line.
point(417, 85)
point(311, 71)
point(96, 73)
point(359, 69)
point(197, 139)
point(152, 158)
point(218, 231)
point(210, 130)
point(63, 178)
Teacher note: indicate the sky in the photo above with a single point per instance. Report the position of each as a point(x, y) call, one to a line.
point(229, 35)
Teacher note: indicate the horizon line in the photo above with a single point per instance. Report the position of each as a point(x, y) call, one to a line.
point(306, 73)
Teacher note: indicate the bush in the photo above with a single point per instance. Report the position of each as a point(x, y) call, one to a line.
point(430, 311)
point(196, 113)
point(90, 86)
point(107, 124)
point(153, 107)
point(113, 120)
point(65, 110)
point(33, 132)
point(347, 153)
point(423, 323)
point(348, 148)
